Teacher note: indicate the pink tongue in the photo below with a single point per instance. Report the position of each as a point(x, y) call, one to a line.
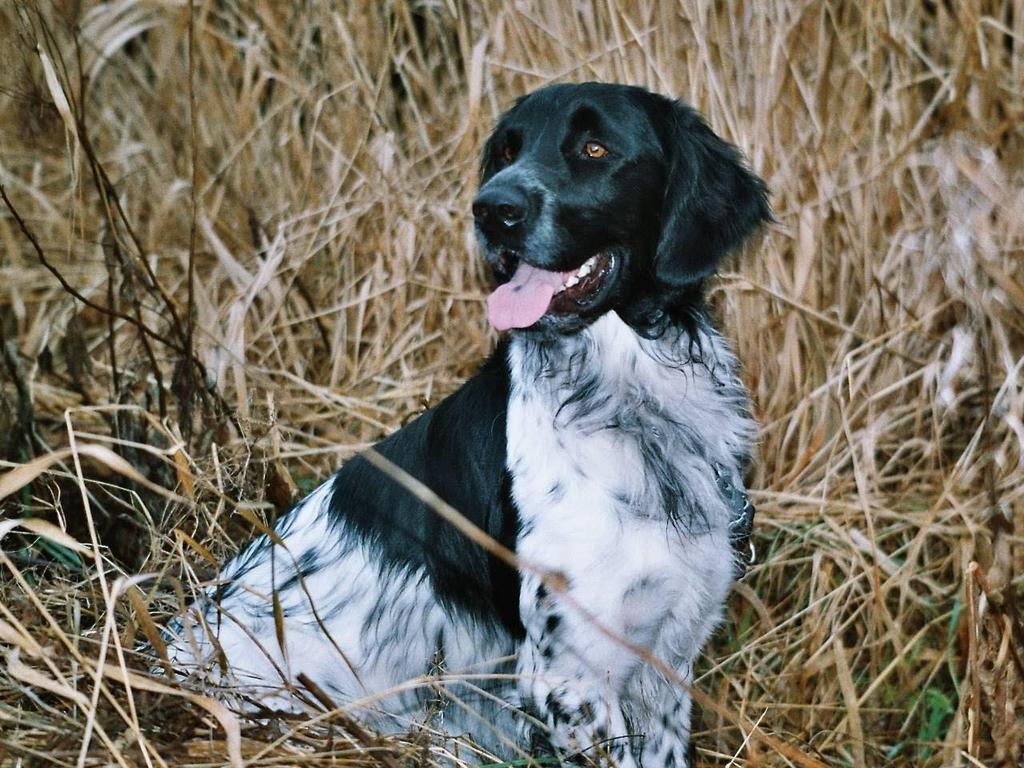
point(524, 299)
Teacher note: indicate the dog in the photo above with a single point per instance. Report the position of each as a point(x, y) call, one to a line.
point(604, 442)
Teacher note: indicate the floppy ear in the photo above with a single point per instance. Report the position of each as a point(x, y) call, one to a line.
point(712, 201)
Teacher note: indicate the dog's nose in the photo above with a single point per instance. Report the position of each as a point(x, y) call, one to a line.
point(500, 209)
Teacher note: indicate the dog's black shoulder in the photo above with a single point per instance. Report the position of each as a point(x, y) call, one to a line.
point(458, 450)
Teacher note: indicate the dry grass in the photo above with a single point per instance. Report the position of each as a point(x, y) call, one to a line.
point(262, 209)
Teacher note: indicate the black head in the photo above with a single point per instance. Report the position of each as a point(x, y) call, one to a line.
point(598, 197)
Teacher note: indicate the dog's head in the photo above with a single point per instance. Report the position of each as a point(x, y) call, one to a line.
point(596, 197)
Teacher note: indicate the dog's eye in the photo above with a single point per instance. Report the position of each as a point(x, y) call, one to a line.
point(595, 150)
point(508, 153)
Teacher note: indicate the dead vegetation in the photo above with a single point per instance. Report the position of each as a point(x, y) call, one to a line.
point(235, 249)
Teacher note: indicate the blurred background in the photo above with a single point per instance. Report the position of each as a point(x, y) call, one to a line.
point(235, 248)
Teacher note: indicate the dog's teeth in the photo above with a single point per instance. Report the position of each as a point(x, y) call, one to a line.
point(587, 267)
point(573, 279)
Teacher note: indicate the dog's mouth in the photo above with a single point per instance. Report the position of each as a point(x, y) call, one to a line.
point(530, 292)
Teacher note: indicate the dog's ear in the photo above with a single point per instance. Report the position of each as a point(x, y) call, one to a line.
point(712, 201)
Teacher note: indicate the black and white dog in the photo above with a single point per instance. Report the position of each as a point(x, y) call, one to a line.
point(605, 441)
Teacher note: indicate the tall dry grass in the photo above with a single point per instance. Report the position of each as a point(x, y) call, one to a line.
point(236, 249)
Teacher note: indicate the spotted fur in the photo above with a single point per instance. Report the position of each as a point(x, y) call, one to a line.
point(607, 450)
point(640, 533)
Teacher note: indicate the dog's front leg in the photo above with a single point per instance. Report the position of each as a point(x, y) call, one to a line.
point(572, 676)
point(667, 734)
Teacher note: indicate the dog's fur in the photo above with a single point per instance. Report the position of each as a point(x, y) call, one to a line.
point(605, 444)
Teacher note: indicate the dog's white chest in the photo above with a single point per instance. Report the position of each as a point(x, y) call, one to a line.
point(608, 423)
point(612, 440)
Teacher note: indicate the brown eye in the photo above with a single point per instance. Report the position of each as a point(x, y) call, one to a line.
point(594, 150)
point(507, 153)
